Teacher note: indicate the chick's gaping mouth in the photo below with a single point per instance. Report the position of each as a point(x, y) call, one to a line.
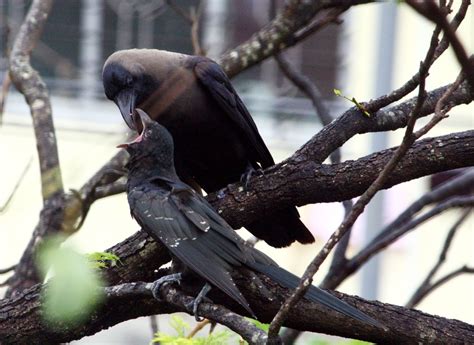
point(139, 126)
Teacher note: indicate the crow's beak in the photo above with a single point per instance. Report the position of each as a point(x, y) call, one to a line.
point(141, 120)
point(125, 101)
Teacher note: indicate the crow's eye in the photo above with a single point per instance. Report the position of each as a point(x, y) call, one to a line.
point(129, 80)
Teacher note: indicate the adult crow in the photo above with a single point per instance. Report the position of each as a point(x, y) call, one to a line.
point(197, 237)
point(216, 140)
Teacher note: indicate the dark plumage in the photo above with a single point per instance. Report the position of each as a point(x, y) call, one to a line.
point(216, 140)
point(196, 236)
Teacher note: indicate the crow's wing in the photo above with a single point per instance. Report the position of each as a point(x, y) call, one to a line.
point(193, 232)
point(214, 79)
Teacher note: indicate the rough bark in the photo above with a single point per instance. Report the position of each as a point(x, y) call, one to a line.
point(279, 34)
point(27, 80)
point(404, 326)
point(303, 182)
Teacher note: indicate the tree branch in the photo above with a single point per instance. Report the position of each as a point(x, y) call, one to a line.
point(352, 122)
point(377, 245)
point(411, 84)
point(425, 286)
point(305, 182)
point(359, 206)
point(63, 214)
point(431, 11)
point(280, 33)
point(454, 187)
point(433, 286)
point(8, 269)
point(3, 95)
point(29, 83)
point(23, 315)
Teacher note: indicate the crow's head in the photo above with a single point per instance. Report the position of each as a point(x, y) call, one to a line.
point(128, 83)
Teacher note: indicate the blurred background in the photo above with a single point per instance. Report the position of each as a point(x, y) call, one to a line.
point(376, 48)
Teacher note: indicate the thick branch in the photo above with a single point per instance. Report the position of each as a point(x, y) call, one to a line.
point(22, 313)
point(29, 83)
point(352, 122)
point(279, 34)
point(304, 182)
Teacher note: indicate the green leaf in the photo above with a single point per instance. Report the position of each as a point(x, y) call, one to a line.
point(72, 293)
point(102, 259)
point(360, 106)
point(263, 326)
point(322, 341)
point(181, 328)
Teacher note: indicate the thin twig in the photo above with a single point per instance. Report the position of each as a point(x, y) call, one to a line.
point(195, 14)
point(359, 206)
point(305, 85)
point(330, 16)
point(192, 18)
point(5, 283)
point(441, 281)
point(404, 223)
point(16, 186)
point(154, 326)
point(441, 108)
point(310, 89)
point(433, 12)
point(339, 258)
point(199, 326)
point(426, 284)
point(411, 84)
point(379, 244)
point(442, 192)
point(8, 269)
point(180, 11)
point(109, 190)
point(3, 95)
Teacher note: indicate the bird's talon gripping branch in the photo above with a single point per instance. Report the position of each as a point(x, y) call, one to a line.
point(247, 175)
point(171, 278)
point(202, 294)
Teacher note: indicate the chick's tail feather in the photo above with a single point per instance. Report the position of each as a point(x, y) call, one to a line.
point(314, 293)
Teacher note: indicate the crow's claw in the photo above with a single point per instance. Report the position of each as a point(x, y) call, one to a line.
point(171, 278)
point(202, 294)
point(249, 172)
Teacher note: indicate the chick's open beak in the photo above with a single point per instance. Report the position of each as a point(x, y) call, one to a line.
point(140, 119)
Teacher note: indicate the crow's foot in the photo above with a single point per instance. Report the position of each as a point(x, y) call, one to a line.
point(171, 278)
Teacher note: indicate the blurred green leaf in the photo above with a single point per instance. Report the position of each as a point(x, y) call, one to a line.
point(321, 341)
point(181, 328)
point(102, 259)
point(72, 293)
point(263, 326)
